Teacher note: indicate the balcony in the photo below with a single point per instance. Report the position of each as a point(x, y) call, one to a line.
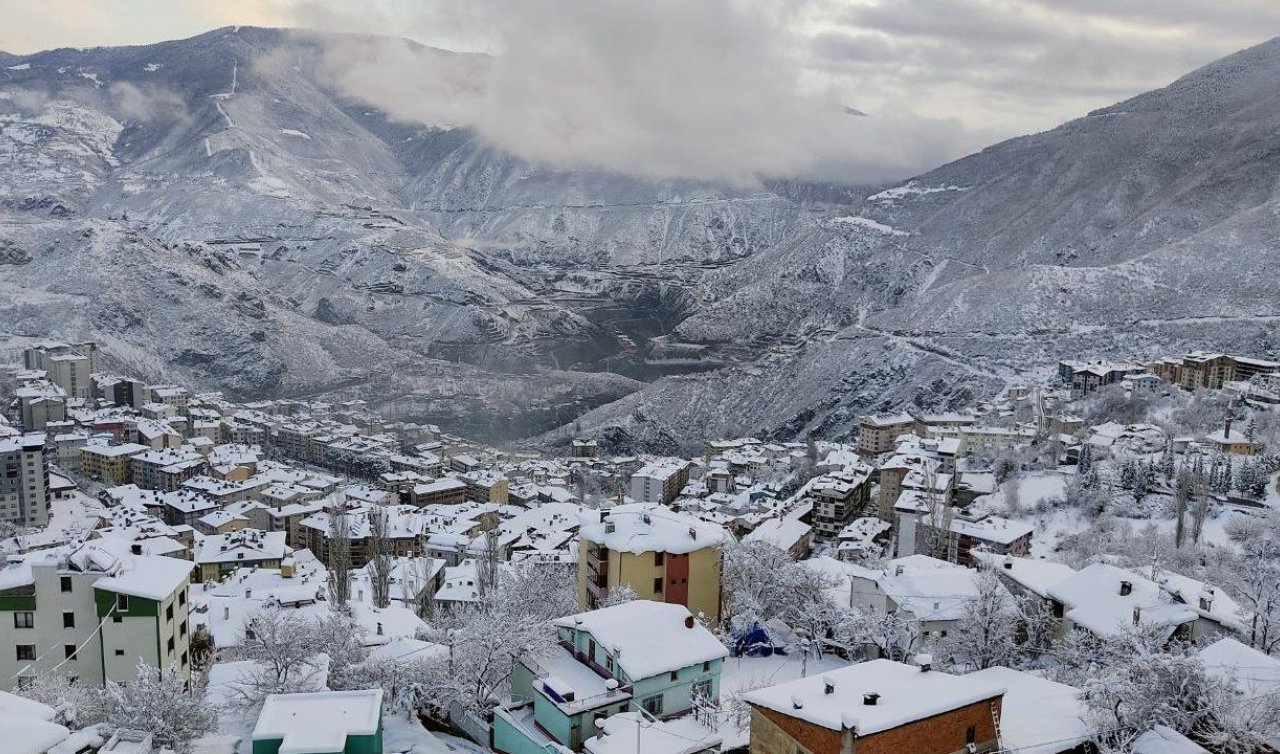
point(597, 590)
point(597, 559)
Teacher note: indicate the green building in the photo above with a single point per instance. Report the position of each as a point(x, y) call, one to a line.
point(321, 722)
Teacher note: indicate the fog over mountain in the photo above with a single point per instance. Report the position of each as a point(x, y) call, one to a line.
point(250, 210)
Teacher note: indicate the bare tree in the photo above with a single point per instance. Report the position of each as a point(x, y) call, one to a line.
point(380, 557)
point(338, 548)
point(1181, 496)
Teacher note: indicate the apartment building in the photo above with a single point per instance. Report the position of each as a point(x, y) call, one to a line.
point(878, 433)
point(108, 464)
point(661, 555)
point(166, 469)
point(69, 366)
point(660, 482)
point(1211, 371)
point(94, 613)
point(24, 480)
point(838, 498)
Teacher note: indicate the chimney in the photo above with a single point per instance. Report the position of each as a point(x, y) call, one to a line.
point(645, 518)
point(1126, 588)
point(226, 612)
point(688, 621)
point(693, 533)
point(828, 685)
point(869, 700)
point(136, 548)
point(1137, 614)
point(379, 628)
point(248, 593)
point(797, 702)
point(898, 570)
point(925, 661)
point(1008, 562)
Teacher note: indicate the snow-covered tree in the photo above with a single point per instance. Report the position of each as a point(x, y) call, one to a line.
point(380, 563)
point(74, 704)
point(985, 634)
point(894, 635)
point(762, 582)
point(284, 647)
point(160, 703)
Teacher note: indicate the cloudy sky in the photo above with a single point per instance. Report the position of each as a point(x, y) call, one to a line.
point(707, 87)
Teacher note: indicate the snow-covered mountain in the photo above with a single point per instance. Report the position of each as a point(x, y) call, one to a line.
point(213, 209)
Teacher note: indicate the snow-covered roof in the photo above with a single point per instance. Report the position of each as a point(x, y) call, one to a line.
point(641, 527)
point(243, 545)
point(928, 588)
point(628, 732)
point(996, 529)
point(1033, 574)
point(782, 533)
point(320, 721)
point(1165, 740)
point(648, 638)
point(906, 694)
point(1037, 716)
point(1093, 599)
point(151, 577)
point(1254, 673)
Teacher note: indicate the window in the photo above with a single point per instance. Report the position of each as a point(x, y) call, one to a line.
point(117, 619)
point(184, 658)
point(66, 584)
point(119, 653)
point(69, 650)
point(702, 689)
point(652, 704)
point(675, 675)
point(706, 666)
point(657, 585)
point(657, 558)
point(182, 628)
point(122, 603)
point(168, 613)
point(970, 735)
point(182, 597)
point(24, 620)
point(68, 620)
point(171, 645)
point(26, 651)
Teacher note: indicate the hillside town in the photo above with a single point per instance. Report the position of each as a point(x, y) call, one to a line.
point(1089, 563)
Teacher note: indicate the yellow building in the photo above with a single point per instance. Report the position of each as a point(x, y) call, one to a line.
point(109, 464)
point(661, 555)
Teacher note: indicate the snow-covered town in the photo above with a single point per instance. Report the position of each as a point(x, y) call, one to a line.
point(1087, 564)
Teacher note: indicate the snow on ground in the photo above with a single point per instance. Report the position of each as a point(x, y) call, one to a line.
point(869, 224)
point(402, 734)
point(19, 67)
point(911, 189)
point(741, 674)
point(291, 132)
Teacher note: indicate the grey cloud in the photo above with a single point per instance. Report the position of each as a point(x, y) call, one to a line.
point(664, 88)
point(147, 104)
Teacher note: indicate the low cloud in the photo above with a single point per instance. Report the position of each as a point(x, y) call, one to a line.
point(147, 104)
point(712, 89)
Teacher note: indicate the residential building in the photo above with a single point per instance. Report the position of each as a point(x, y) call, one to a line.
point(660, 554)
point(439, 492)
point(108, 464)
point(878, 433)
point(221, 554)
point(790, 535)
point(584, 449)
point(877, 707)
point(639, 655)
point(320, 722)
point(660, 482)
point(69, 366)
point(94, 612)
point(1084, 377)
point(485, 486)
point(838, 498)
point(166, 469)
point(25, 492)
point(41, 402)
